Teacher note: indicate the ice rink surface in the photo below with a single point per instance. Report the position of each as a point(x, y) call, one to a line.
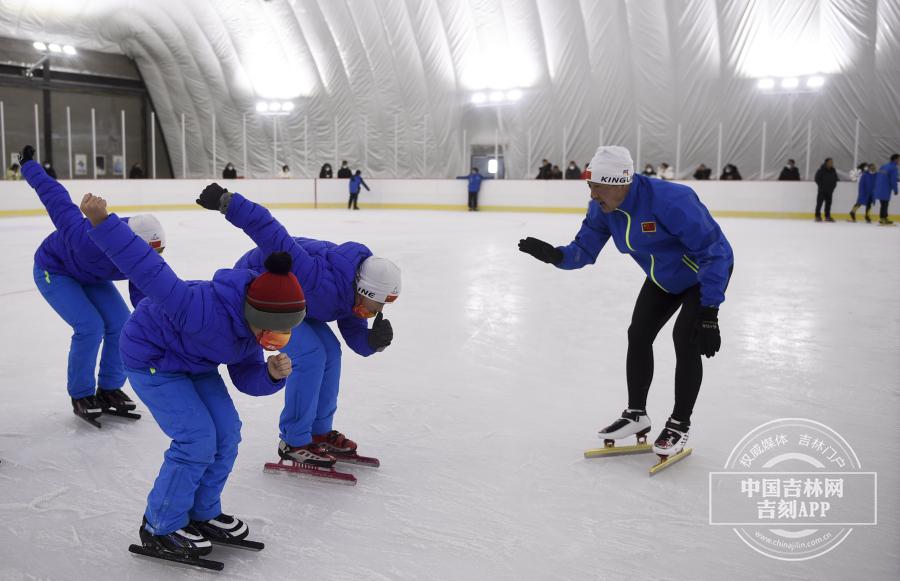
point(501, 372)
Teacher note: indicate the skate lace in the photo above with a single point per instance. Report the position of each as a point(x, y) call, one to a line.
point(670, 437)
point(336, 438)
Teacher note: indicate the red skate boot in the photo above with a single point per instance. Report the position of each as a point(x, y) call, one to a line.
point(343, 449)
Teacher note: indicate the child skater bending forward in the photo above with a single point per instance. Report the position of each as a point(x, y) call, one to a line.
point(172, 346)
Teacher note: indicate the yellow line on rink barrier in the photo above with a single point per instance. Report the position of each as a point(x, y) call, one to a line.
point(443, 207)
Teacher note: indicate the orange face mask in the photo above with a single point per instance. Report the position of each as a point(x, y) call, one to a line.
point(273, 340)
point(362, 312)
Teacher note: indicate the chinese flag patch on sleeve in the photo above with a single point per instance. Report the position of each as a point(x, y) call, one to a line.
point(648, 226)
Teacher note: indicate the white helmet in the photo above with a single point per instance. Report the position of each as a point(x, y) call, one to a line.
point(378, 279)
point(149, 229)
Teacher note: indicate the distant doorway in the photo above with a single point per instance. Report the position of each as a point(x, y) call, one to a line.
point(489, 166)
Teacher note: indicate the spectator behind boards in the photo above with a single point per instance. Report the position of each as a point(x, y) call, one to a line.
point(790, 172)
point(730, 173)
point(544, 171)
point(573, 172)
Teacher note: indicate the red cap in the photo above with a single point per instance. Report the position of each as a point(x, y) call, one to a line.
point(276, 293)
point(275, 301)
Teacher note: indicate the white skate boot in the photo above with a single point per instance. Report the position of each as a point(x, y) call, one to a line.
point(669, 447)
point(672, 439)
point(631, 423)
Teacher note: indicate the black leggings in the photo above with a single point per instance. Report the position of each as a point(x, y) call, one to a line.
point(883, 210)
point(653, 309)
point(824, 197)
point(353, 200)
point(473, 200)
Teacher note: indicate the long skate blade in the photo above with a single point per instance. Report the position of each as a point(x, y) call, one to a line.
point(329, 474)
point(663, 464)
point(355, 458)
point(617, 451)
point(91, 421)
point(122, 414)
point(198, 562)
point(240, 544)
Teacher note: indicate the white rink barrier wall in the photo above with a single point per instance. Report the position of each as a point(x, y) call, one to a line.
point(752, 199)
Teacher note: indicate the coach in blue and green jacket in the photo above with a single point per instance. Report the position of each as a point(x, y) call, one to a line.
point(688, 261)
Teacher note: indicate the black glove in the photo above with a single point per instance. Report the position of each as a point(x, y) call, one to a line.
point(541, 250)
point(706, 331)
point(381, 334)
point(211, 198)
point(27, 154)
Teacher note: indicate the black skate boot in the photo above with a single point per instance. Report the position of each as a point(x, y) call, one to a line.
point(88, 409)
point(312, 454)
point(227, 530)
point(186, 541)
point(852, 216)
point(186, 545)
point(117, 403)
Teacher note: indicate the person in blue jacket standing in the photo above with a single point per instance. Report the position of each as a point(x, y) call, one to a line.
point(885, 184)
point(865, 192)
point(172, 346)
point(75, 278)
point(343, 283)
point(475, 178)
point(670, 234)
point(355, 182)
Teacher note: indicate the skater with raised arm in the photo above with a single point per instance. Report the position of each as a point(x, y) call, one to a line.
point(344, 283)
point(172, 346)
point(688, 261)
point(75, 278)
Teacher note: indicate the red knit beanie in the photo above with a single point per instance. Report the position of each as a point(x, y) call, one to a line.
point(275, 300)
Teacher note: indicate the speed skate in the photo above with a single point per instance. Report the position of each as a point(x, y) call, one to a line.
point(637, 423)
point(323, 472)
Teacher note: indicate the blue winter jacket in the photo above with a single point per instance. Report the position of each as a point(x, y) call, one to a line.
point(475, 180)
point(69, 251)
point(185, 326)
point(866, 188)
point(886, 181)
point(326, 271)
point(355, 182)
point(667, 231)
